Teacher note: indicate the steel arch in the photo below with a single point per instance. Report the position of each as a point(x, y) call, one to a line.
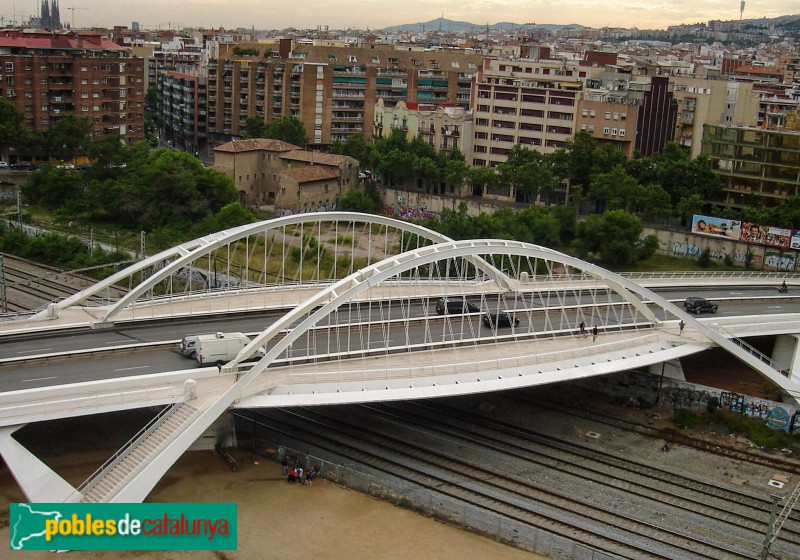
point(191, 250)
point(346, 289)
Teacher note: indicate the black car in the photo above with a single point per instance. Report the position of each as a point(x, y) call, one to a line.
point(699, 305)
point(502, 319)
point(455, 305)
point(23, 166)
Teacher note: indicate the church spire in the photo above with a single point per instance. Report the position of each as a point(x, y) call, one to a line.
point(55, 16)
point(44, 17)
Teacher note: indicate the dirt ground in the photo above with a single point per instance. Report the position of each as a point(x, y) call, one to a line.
point(278, 520)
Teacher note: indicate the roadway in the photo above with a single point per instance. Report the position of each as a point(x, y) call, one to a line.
point(143, 350)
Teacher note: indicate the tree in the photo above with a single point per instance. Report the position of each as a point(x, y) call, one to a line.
point(68, 137)
point(356, 200)
point(689, 206)
point(614, 190)
point(654, 202)
point(613, 237)
point(255, 127)
point(12, 130)
point(356, 147)
point(481, 179)
point(54, 188)
point(289, 129)
point(581, 159)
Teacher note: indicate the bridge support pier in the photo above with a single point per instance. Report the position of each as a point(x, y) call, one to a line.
point(786, 354)
point(671, 369)
point(38, 481)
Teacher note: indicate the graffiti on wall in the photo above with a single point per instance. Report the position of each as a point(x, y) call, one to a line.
point(681, 249)
point(408, 212)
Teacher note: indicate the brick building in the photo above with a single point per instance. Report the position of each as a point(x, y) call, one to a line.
point(332, 90)
point(51, 74)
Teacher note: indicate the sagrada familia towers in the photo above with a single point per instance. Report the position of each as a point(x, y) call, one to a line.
point(50, 18)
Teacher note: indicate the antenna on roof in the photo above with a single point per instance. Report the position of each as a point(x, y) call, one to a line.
point(741, 10)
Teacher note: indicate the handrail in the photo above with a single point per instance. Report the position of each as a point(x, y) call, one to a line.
point(127, 448)
point(745, 346)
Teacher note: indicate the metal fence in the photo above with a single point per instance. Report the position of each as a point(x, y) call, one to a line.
point(262, 440)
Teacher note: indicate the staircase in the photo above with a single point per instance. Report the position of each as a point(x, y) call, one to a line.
point(151, 440)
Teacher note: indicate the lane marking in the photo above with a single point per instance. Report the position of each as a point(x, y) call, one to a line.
point(38, 379)
point(131, 368)
point(34, 351)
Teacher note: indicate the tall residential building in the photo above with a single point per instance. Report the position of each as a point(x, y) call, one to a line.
point(183, 107)
point(332, 90)
point(702, 102)
point(48, 75)
point(754, 162)
point(528, 102)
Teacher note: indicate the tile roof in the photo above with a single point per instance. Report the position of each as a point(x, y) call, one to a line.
point(253, 144)
point(314, 157)
point(310, 173)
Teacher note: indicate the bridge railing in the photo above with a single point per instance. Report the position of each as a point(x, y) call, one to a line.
point(747, 347)
point(285, 376)
point(128, 448)
point(83, 401)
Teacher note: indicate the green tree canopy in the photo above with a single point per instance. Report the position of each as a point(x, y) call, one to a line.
point(254, 127)
point(12, 128)
point(289, 129)
point(613, 237)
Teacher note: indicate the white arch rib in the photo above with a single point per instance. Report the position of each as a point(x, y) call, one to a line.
point(192, 250)
point(348, 288)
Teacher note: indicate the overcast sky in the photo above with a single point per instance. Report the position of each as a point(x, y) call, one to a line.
point(375, 14)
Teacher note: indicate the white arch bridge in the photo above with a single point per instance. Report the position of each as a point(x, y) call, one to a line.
point(362, 325)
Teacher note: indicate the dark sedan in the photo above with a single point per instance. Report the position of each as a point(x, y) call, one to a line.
point(498, 320)
point(455, 306)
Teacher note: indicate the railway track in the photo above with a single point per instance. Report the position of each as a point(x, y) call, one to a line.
point(31, 286)
point(598, 415)
point(424, 455)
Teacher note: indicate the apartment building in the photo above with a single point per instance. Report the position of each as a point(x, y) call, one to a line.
point(702, 102)
point(528, 102)
point(183, 101)
point(754, 161)
point(610, 118)
point(442, 127)
point(332, 90)
point(51, 74)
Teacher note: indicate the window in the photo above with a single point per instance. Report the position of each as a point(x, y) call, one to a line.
point(44, 81)
point(9, 66)
point(84, 95)
point(45, 108)
point(608, 115)
point(352, 58)
point(622, 132)
point(606, 130)
point(10, 80)
point(85, 108)
point(585, 113)
point(613, 132)
point(591, 113)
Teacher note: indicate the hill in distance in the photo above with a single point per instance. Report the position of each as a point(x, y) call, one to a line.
point(449, 25)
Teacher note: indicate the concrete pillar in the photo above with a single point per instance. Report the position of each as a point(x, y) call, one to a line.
point(38, 481)
point(671, 369)
point(786, 354)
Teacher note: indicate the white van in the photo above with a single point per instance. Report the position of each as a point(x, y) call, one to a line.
point(219, 348)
